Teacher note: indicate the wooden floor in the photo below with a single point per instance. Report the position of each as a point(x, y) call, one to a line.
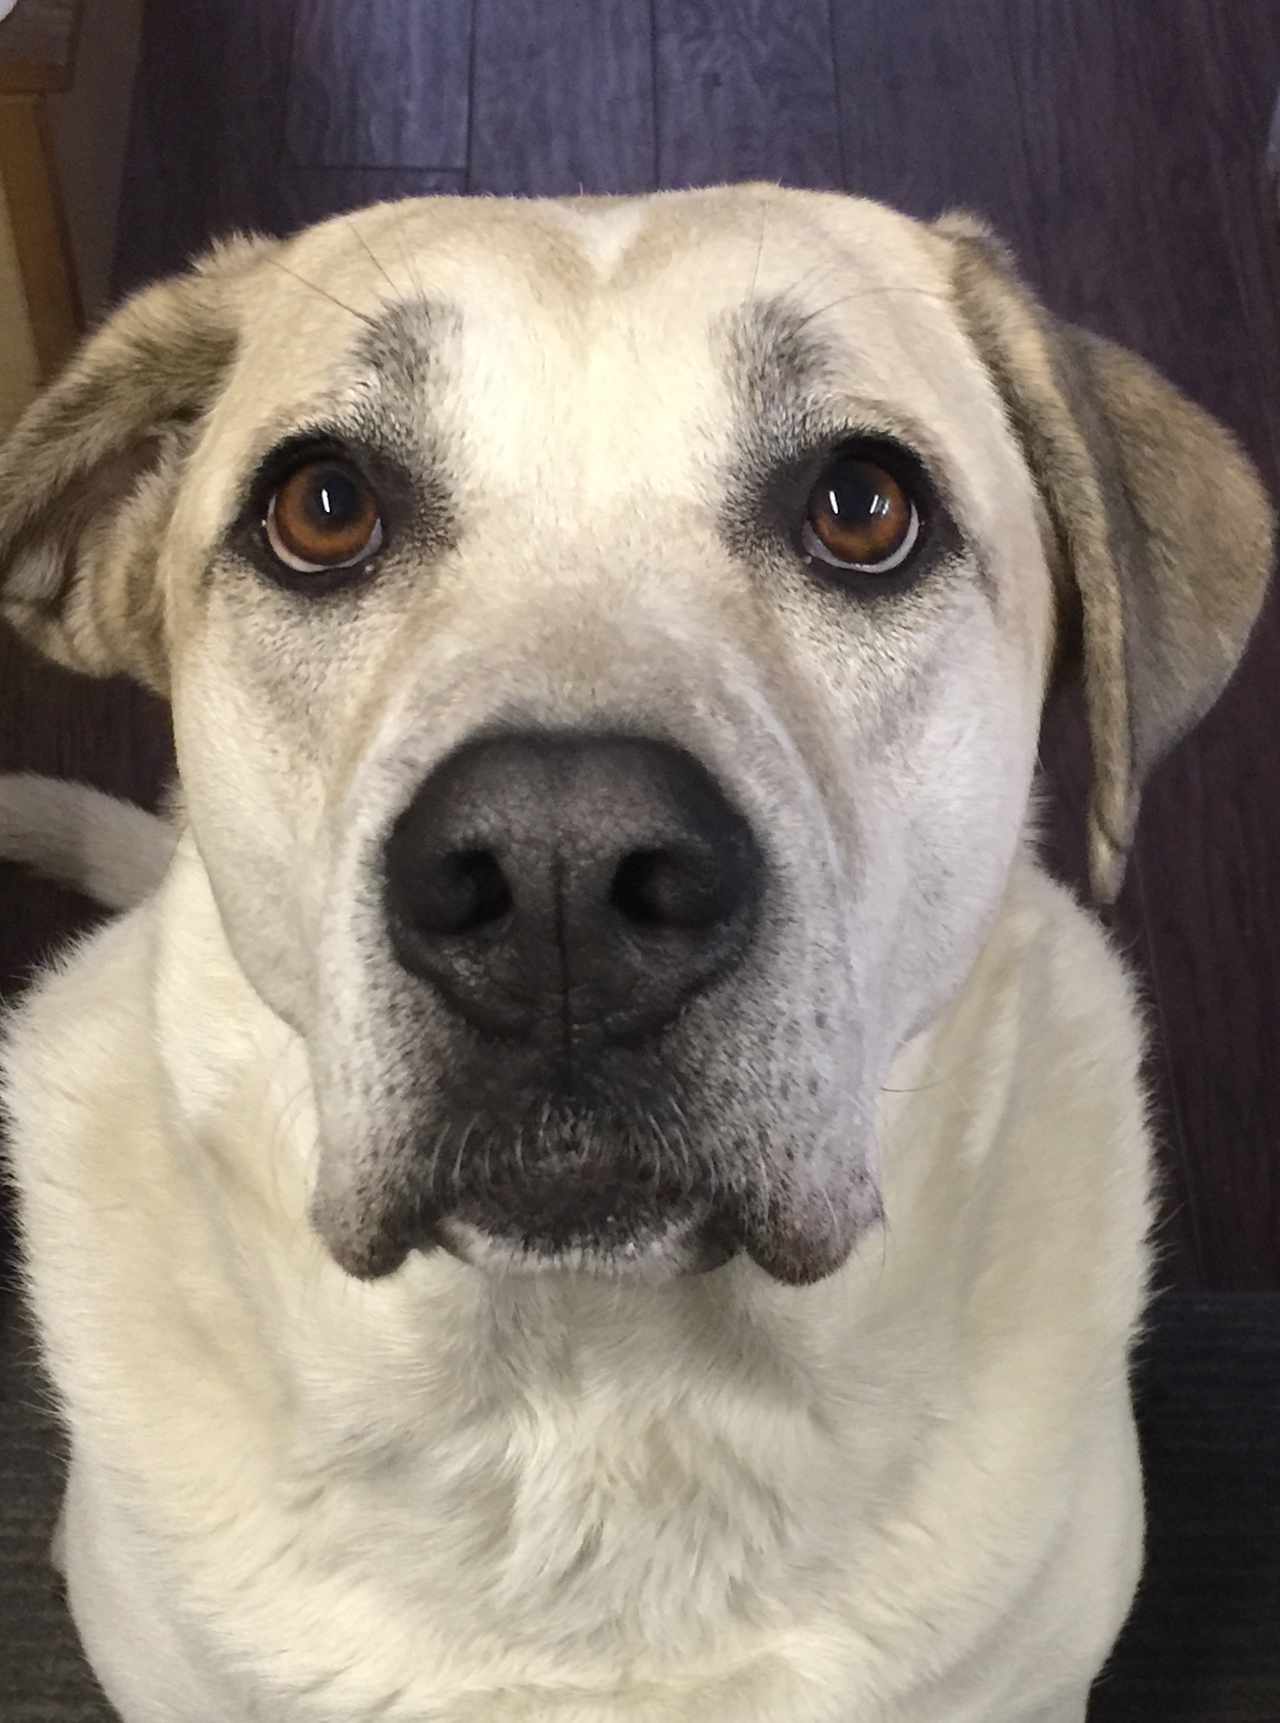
point(1119, 146)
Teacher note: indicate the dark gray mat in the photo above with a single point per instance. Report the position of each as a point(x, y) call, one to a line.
point(42, 1676)
point(1204, 1642)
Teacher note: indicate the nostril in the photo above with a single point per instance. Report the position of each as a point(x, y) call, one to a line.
point(671, 888)
point(461, 892)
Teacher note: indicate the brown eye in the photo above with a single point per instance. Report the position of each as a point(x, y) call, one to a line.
point(859, 517)
point(323, 516)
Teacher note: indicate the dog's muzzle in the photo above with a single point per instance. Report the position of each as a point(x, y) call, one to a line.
point(567, 896)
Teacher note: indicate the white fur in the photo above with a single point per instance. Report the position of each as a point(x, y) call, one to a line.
point(909, 1493)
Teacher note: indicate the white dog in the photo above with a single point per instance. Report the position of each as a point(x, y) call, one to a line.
point(604, 1185)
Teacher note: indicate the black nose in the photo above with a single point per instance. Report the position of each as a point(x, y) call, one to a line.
point(568, 887)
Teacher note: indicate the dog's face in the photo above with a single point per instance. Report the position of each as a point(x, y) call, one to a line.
point(606, 643)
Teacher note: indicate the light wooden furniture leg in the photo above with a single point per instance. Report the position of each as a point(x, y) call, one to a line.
point(39, 242)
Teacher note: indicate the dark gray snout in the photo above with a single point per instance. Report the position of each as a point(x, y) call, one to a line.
point(570, 889)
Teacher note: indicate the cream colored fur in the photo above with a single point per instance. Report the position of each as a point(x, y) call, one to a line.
point(479, 1489)
point(910, 1492)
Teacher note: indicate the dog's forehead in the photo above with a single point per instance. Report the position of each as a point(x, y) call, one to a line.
point(573, 254)
point(603, 313)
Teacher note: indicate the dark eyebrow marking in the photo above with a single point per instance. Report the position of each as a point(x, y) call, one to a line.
point(404, 344)
point(772, 355)
point(774, 351)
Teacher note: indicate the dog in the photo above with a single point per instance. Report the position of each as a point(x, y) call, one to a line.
point(601, 1181)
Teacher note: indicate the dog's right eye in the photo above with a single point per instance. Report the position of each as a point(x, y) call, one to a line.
point(323, 516)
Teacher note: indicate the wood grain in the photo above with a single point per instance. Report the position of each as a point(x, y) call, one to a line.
point(197, 169)
point(393, 93)
point(206, 151)
point(928, 105)
point(39, 233)
point(20, 373)
point(562, 98)
point(304, 195)
point(38, 45)
point(746, 89)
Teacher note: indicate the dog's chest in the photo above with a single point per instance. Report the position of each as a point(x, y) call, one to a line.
point(617, 1503)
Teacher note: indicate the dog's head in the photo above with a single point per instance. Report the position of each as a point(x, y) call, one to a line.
point(607, 643)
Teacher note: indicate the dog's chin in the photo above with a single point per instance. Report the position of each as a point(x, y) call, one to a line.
point(671, 1252)
point(549, 1229)
point(650, 1245)
point(662, 1250)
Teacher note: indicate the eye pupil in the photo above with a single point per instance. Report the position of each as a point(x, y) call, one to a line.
point(334, 498)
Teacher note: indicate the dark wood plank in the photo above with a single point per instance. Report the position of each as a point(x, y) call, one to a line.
point(207, 139)
point(205, 159)
point(1162, 234)
point(746, 90)
point(386, 88)
point(927, 103)
point(562, 99)
point(105, 732)
point(304, 195)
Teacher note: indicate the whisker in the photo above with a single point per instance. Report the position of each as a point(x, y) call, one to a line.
point(433, 1161)
point(810, 277)
point(488, 1159)
point(462, 1149)
point(410, 266)
point(323, 292)
point(917, 1088)
point(884, 1243)
point(871, 293)
point(755, 273)
point(373, 256)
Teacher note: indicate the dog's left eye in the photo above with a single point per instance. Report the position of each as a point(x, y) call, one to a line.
point(860, 516)
point(323, 516)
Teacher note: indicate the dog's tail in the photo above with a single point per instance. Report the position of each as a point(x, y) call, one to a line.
point(111, 850)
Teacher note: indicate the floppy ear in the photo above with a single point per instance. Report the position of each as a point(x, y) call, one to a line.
point(1159, 531)
point(89, 475)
